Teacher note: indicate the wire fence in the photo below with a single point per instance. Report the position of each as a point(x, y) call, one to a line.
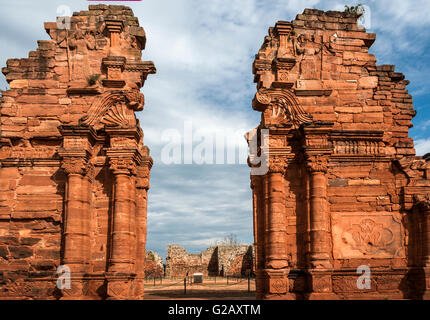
point(187, 282)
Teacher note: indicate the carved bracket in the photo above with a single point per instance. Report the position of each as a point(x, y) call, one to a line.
point(115, 108)
point(283, 104)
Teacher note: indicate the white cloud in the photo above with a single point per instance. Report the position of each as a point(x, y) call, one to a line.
point(422, 146)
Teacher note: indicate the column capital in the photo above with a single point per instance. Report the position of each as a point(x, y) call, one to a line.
point(278, 164)
point(143, 174)
point(423, 201)
point(317, 163)
point(124, 161)
point(122, 166)
point(75, 165)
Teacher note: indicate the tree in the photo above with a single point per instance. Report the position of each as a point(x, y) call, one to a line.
point(358, 9)
point(229, 240)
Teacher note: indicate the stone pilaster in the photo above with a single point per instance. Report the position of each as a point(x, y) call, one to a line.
point(142, 186)
point(123, 236)
point(320, 266)
point(319, 215)
point(276, 262)
point(259, 234)
point(424, 205)
point(76, 254)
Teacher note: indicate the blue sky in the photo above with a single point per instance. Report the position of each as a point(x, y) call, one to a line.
point(203, 51)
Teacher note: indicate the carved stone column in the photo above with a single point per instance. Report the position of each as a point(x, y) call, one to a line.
point(121, 263)
point(276, 264)
point(76, 254)
point(142, 186)
point(319, 256)
point(424, 205)
point(259, 226)
point(319, 215)
point(120, 260)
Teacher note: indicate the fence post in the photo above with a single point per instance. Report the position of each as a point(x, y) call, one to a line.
point(154, 281)
point(185, 285)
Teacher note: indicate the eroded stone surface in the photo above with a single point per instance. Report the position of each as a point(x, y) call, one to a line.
point(344, 187)
point(74, 170)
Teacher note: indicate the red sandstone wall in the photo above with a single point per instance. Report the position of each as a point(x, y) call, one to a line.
point(55, 123)
point(341, 162)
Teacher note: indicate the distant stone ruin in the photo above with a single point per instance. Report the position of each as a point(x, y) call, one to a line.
point(154, 267)
point(220, 260)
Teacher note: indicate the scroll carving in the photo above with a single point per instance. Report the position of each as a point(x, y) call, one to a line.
point(283, 105)
point(115, 108)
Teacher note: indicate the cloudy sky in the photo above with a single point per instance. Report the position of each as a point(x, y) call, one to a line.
point(203, 51)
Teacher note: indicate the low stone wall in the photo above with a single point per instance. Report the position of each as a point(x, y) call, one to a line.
point(222, 260)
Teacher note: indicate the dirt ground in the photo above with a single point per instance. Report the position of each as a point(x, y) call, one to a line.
point(210, 289)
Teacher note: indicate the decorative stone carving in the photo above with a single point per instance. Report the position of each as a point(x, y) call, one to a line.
point(122, 166)
point(143, 176)
point(75, 165)
point(283, 105)
point(115, 108)
point(317, 163)
point(277, 164)
point(371, 235)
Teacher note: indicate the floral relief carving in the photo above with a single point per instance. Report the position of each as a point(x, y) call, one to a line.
point(317, 163)
point(369, 236)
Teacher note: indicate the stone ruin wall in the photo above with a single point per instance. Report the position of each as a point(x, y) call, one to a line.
point(74, 171)
point(344, 187)
point(221, 260)
point(154, 267)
